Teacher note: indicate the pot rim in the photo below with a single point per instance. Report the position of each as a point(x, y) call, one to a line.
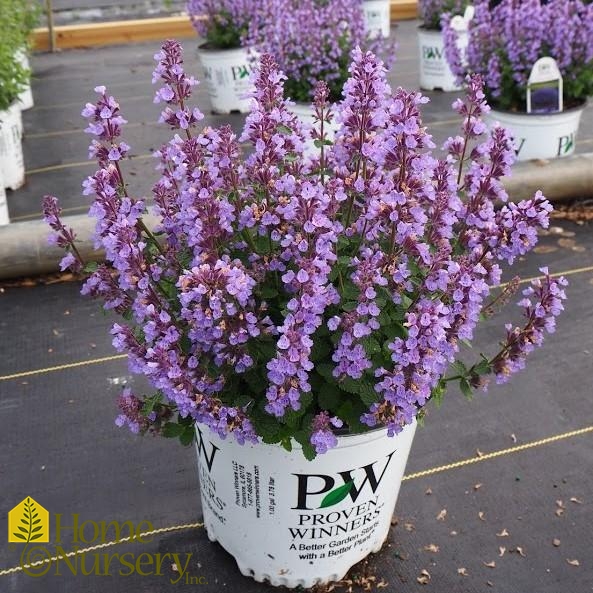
point(345, 438)
point(580, 107)
point(203, 47)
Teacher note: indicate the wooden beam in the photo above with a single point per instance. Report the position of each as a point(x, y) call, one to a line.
point(402, 10)
point(178, 27)
point(113, 33)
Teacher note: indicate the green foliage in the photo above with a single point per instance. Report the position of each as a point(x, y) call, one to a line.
point(17, 19)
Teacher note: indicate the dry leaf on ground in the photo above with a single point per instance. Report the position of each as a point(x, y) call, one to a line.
point(573, 562)
point(424, 577)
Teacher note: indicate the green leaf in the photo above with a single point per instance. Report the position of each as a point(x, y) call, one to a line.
point(90, 267)
point(329, 396)
point(36, 529)
point(187, 436)
point(268, 292)
point(172, 430)
point(20, 536)
point(466, 388)
point(326, 370)
point(336, 495)
point(22, 529)
point(460, 368)
point(36, 536)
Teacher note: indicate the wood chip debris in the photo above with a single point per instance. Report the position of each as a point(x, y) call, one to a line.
point(463, 572)
point(556, 542)
point(490, 564)
point(481, 516)
point(503, 533)
point(576, 500)
point(501, 551)
point(442, 514)
point(424, 577)
point(573, 562)
point(431, 548)
point(519, 551)
point(477, 486)
point(428, 491)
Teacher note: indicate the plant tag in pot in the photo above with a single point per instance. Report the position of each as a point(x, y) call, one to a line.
point(468, 15)
point(544, 87)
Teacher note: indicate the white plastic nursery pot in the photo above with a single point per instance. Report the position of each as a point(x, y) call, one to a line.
point(540, 136)
point(377, 17)
point(435, 73)
point(4, 217)
point(12, 164)
point(25, 98)
point(305, 112)
point(294, 522)
point(226, 76)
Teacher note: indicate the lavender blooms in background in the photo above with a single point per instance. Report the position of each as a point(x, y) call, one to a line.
point(224, 23)
point(312, 40)
point(283, 296)
point(506, 41)
point(432, 10)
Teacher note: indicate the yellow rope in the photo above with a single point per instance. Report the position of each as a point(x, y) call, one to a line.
point(61, 367)
point(421, 474)
point(99, 547)
point(500, 453)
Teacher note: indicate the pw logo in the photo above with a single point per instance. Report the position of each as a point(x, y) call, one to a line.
point(354, 481)
point(28, 522)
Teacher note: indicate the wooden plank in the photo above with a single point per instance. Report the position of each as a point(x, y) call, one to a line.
point(113, 33)
point(156, 29)
point(404, 9)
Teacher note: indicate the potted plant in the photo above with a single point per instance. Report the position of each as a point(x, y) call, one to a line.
point(294, 314)
point(377, 17)
point(435, 72)
point(225, 54)
point(13, 79)
point(312, 40)
point(505, 43)
point(26, 16)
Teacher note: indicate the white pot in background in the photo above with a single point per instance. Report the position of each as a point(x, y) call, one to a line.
point(294, 522)
point(434, 68)
point(226, 76)
point(12, 164)
point(305, 112)
point(25, 99)
point(377, 17)
point(4, 217)
point(540, 136)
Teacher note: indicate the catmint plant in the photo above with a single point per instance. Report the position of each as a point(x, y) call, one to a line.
point(223, 24)
point(507, 40)
point(431, 11)
point(287, 296)
point(312, 40)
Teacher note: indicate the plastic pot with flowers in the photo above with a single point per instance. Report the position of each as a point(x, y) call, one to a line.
point(227, 57)
point(312, 40)
point(434, 71)
point(536, 59)
point(296, 315)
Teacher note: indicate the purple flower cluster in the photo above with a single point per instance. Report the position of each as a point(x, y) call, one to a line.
point(224, 23)
point(541, 304)
point(506, 41)
point(431, 11)
point(312, 40)
point(283, 294)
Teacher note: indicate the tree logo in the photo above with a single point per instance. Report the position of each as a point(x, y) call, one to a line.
point(28, 522)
